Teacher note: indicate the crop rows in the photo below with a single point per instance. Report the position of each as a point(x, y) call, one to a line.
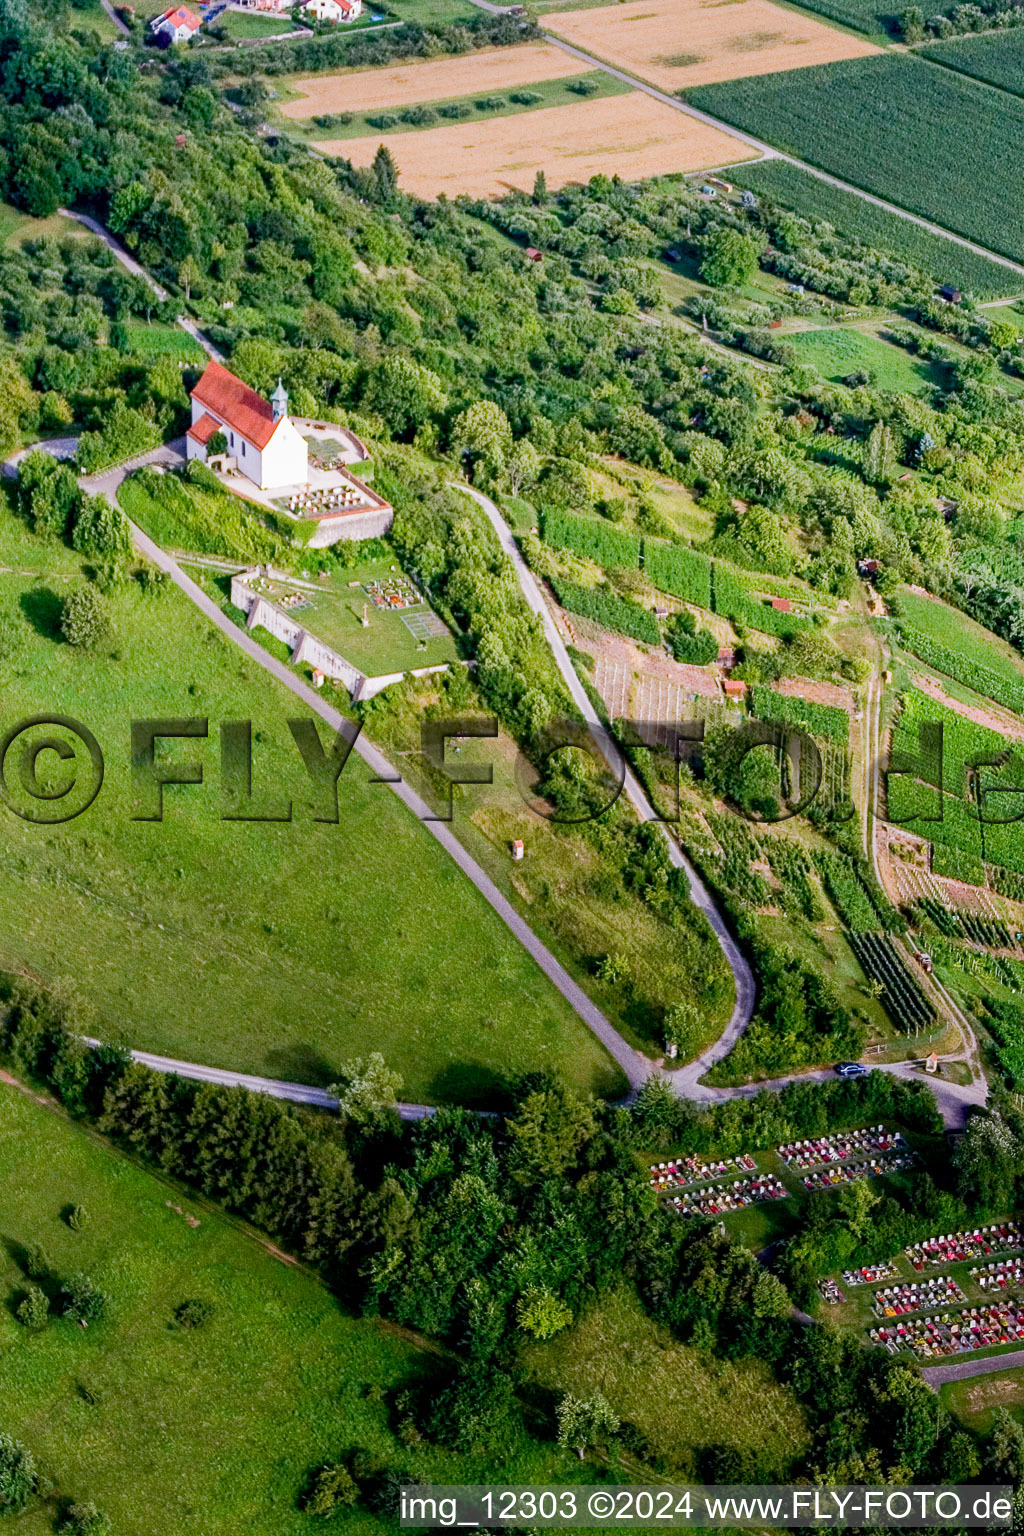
point(902, 998)
point(612, 548)
point(611, 612)
point(820, 719)
point(686, 573)
point(953, 662)
point(731, 599)
point(956, 136)
point(965, 925)
point(846, 891)
point(957, 864)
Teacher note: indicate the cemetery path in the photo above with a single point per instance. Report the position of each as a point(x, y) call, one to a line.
point(685, 1081)
point(938, 1375)
point(634, 1066)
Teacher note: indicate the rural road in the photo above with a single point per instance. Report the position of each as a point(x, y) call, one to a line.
point(960, 1370)
point(635, 1067)
point(685, 1080)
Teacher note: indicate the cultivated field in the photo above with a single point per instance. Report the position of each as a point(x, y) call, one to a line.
point(677, 43)
point(632, 136)
point(998, 58)
point(429, 80)
point(840, 118)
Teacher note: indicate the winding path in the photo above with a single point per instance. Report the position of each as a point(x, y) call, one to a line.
point(685, 1080)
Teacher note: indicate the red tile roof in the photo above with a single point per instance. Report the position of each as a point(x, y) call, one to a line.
point(181, 16)
point(781, 604)
point(204, 428)
point(235, 403)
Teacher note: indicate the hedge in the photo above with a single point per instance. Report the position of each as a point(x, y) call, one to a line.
point(957, 864)
point(612, 548)
point(697, 650)
point(686, 573)
point(955, 664)
point(732, 601)
point(125, 434)
point(612, 612)
point(820, 719)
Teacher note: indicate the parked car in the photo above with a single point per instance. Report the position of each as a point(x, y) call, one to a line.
point(850, 1069)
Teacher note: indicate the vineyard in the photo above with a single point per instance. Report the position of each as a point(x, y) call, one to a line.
point(802, 714)
point(956, 136)
point(958, 924)
point(732, 599)
point(686, 573)
point(876, 227)
point(608, 610)
point(846, 891)
point(957, 864)
point(901, 997)
point(610, 547)
point(952, 643)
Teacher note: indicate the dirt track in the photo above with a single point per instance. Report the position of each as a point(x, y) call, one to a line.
point(632, 136)
point(406, 85)
point(676, 43)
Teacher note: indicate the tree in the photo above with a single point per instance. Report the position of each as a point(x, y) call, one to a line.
point(542, 1314)
point(332, 1487)
point(101, 529)
point(540, 187)
point(385, 175)
point(85, 1520)
point(523, 466)
point(482, 434)
point(404, 392)
point(478, 1414)
point(85, 618)
point(367, 1091)
point(17, 1476)
point(986, 1159)
point(730, 257)
point(911, 24)
point(190, 275)
point(1006, 1447)
point(77, 1217)
point(548, 1132)
point(34, 1309)
point(81, 1299)
point(582, 1421)
point(218, 444)
point(879, 455)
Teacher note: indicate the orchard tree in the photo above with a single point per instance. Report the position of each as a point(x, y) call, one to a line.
point(84, 619)
point(584, 1421)
point(17, 1476)
point(730, 257)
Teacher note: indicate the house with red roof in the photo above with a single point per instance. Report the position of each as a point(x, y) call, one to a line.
point(262, 442)
point(334, 10)
point(175, 26)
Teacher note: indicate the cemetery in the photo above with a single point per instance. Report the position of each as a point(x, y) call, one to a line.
point(954, 1333)
point(836, 1149)
point(1003, 1237)
point(717, 1199)
point(848, 1173)
point(1001, 1275)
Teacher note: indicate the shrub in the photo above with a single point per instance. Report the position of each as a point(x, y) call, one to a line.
point(383, 120)
point(456, 109)
point(85, 619)
point(584, 87)
point(697, 647)
point(33, 1310)
point(525, 98)
point(331, 1488)
point(193, 1313)
point(125, 434)
point(100, 529)
point(616, 613)
point(77, 1217)
point(420, 117)
point(84, 1520)
point(37, 1264)
point(490, 104)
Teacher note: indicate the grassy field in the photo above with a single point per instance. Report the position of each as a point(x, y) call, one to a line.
point(303, 943)
point(335, 613)
point(548, 93)
point(837, 351)
point(242, 25)
point(815, 199)
point(16, 226)
point(179, 515)
point(162, 341)
point(172, 1431)
point(997, 58)
point(938, 621)
point(840, 116)
point(975, 1402)
point(677, 1397)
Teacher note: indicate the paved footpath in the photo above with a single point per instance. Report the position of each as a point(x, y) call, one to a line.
point(961, 1370)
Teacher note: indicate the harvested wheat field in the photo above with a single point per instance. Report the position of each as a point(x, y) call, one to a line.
point(407, 85)
point(676, 43)
point(632, 136)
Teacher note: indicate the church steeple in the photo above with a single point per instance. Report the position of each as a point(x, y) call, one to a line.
point(279, 400)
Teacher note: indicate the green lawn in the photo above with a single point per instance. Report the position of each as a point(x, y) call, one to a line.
point(974, 1402)
point(182, 516)
point(213, 1430)
point(385, 644)
point(840, 350)
point(243, 24)
point(549, 93)
point(281, 948)
point(16, 226)
point(678, 1398)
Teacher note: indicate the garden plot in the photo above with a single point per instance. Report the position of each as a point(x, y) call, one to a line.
point(406, 85)
point(632, 136)
point(680, 43)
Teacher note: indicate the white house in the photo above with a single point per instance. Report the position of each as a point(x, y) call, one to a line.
point(333, 10)
point(261, 439)
point(176, 25)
